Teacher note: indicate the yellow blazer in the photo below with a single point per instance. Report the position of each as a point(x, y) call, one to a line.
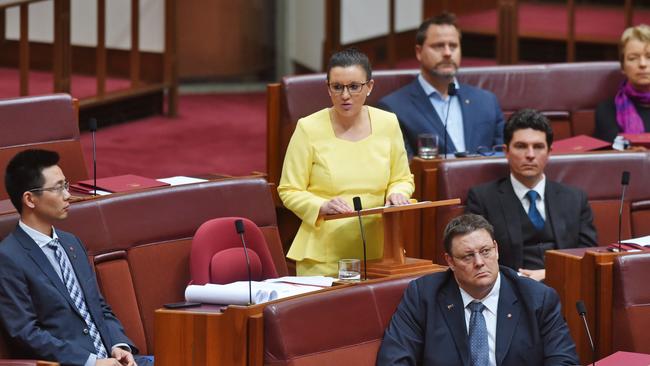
point(318, 166)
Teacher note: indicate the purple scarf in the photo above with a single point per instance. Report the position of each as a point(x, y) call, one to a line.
point(626, 115)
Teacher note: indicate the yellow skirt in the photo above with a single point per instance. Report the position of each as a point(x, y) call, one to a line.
point(308, 267)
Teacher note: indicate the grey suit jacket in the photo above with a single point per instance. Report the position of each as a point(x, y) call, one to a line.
point(567, 208)
point(428, 327)
point(36, 309)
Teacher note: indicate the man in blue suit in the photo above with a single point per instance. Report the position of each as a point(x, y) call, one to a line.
point(473, 118)
point(476, 313)
point(50, 305)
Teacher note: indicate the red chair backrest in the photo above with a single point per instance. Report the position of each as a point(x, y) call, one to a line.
point(218, 239)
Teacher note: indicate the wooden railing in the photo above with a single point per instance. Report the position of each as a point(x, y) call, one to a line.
point(62, 52)
point(507, 32)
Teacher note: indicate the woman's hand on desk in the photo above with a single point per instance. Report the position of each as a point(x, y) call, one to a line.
point(396, 199)
point(335, 206)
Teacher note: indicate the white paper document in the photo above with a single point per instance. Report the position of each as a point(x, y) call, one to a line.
point(642, 240)
point(320, 281)
point(179, 179)
point(236, 293)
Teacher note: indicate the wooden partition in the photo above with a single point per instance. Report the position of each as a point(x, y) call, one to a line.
point(506, 30)
point(587, 275)
point(62, 58)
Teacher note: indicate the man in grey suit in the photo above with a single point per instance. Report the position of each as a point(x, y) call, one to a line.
point(476, 313)
point(470, 120)
point(531, 214)
point(50, 305)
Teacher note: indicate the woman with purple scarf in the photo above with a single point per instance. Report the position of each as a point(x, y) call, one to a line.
point(629, 110)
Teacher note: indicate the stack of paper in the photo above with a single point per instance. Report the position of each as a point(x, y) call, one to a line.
point(236, 293)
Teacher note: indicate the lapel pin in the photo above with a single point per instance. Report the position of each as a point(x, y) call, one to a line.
point(509, 315)
point(466, 101)
point(450, 306)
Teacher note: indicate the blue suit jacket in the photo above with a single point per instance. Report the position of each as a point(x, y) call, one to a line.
point(36, 309)
point(482, 116)
point(428, 327)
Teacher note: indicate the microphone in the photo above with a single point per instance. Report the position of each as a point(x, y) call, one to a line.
point(92, 126)
point(451, 91)
point(239, 226)
point(625, 181)
point(582, 312)
point(357, 207)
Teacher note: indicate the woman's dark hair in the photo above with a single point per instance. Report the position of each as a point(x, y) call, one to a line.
point(350, 57)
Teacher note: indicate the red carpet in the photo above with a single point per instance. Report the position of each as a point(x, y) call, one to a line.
point(41, 82)
point(218, 133)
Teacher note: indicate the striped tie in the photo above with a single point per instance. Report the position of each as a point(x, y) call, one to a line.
point(75, 294)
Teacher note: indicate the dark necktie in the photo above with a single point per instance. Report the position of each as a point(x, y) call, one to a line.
point(478, 335)
point(533, 214)
point(71, 284)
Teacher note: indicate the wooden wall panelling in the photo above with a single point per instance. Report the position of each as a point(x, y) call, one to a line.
point(225, 39)
point(61, 54)
point(24, 50)
point(100, 52)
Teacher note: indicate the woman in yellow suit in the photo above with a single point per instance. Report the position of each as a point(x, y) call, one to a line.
point(335, 154)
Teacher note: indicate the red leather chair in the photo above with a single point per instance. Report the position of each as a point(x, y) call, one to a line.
point(631, 303)
point(217, 254)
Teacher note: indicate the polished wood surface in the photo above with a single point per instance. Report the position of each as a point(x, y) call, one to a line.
point(62, 57)
point(224, 39)
point(209, 336)
point(585, 274)
point(24, 50)
point(394, 260)
point(213, 335)
point(100, 51)
point(425, 174)
point(273, 116)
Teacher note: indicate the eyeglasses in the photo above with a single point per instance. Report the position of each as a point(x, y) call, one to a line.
point(353, 88)
point(485, 253)
point(59, 188)
point(489, 151)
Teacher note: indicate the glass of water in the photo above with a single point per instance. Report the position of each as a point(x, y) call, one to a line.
point(427, 145)
point(349, 270)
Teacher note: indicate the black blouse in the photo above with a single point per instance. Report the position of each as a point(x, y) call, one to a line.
point(606, 126)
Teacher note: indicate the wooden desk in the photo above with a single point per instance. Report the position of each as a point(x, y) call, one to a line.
point(212, 335)
point(585, 274)
point(209, 336)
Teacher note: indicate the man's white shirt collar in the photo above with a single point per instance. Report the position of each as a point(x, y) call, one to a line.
point(521, 190)
point(491, 301)
point(41, 239)
point(429, 89)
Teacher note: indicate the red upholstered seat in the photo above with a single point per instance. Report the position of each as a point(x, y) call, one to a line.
point(217, 254)
point(631, 303)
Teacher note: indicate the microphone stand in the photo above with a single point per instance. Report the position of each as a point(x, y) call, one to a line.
point(357, 207)
point(239, 226)
point(582, 312)
point(92, 125)
point(625, 180)
point(451, 91)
